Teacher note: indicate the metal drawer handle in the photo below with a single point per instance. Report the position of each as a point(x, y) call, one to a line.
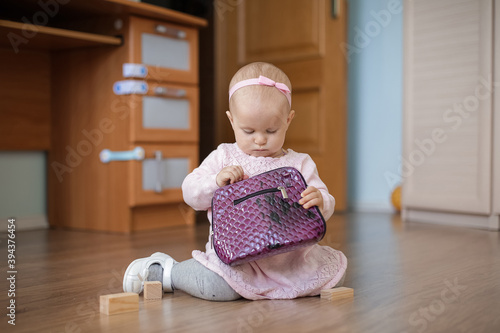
point(171, 32)
point(169, 92)
point(159, 175)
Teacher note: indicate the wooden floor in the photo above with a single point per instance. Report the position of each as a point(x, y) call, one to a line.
point(407, 277)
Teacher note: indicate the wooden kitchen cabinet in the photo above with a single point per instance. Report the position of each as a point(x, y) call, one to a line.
point(83, 50)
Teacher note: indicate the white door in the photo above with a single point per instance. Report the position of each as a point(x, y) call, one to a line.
point(448, 105)
point(496, 117)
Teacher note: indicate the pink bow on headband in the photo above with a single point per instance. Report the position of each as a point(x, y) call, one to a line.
point(263, 81)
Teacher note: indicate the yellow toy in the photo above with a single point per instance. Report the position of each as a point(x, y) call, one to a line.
point(396, 198)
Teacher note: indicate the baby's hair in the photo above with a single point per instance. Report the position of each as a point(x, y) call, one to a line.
point(254, 70)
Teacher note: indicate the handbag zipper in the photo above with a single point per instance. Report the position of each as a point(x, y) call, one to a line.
point(269, 190)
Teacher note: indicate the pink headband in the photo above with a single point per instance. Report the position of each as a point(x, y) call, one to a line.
point(264, 81)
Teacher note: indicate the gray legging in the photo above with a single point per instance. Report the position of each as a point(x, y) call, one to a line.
point(195, 279)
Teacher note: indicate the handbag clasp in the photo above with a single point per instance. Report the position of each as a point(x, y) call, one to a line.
point(283, 192)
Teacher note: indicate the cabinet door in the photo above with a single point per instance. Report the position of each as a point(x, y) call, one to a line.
point(165, 113)
point(270, 41)
point(169, 51)
point(158, 177)
point(305, 49)
point(446, 162)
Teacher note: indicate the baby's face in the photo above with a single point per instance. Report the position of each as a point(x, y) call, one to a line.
point(260, 124)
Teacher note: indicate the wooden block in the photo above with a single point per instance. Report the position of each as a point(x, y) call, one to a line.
point(153, 290)
point(337, 293)
point(119, 303)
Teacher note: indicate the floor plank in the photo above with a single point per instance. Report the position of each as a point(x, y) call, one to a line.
point(406, 278)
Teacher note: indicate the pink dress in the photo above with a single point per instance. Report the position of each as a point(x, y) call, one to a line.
point(303, 272)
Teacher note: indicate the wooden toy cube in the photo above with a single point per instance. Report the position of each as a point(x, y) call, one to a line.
point(119, 303)
point(337, 293)
point(153, 290)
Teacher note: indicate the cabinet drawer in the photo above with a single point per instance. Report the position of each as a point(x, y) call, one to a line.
point(161, 216)
point(158, 177)
point(165, 113)
point(169, 51)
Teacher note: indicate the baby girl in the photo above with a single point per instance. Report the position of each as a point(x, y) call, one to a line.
point(260, 114)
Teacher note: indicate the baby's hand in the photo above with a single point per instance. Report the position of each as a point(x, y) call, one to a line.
point(311, 197)
point(230, 175)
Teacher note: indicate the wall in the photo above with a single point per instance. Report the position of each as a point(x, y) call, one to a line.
point(23, 189)
point(374, 55)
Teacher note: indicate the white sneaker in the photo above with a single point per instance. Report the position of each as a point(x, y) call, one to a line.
point(138, 270)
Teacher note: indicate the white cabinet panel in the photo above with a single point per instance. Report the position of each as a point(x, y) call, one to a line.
point(165, 52)
point(170, 174)
point(165, 113)
point(448, 105)
point(496, 116)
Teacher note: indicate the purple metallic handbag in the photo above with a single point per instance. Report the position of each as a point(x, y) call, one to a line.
point(261, 216)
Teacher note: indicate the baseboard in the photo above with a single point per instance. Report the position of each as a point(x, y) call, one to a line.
point(490, 222)
point(371, 207)
point(26, 223)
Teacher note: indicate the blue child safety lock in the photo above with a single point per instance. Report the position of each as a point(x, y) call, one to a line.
point(107, 155)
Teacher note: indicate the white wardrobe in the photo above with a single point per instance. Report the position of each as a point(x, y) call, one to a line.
point(451, 151)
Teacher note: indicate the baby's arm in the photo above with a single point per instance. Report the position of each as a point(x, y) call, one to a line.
point(199, 186)
point(316, 192)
